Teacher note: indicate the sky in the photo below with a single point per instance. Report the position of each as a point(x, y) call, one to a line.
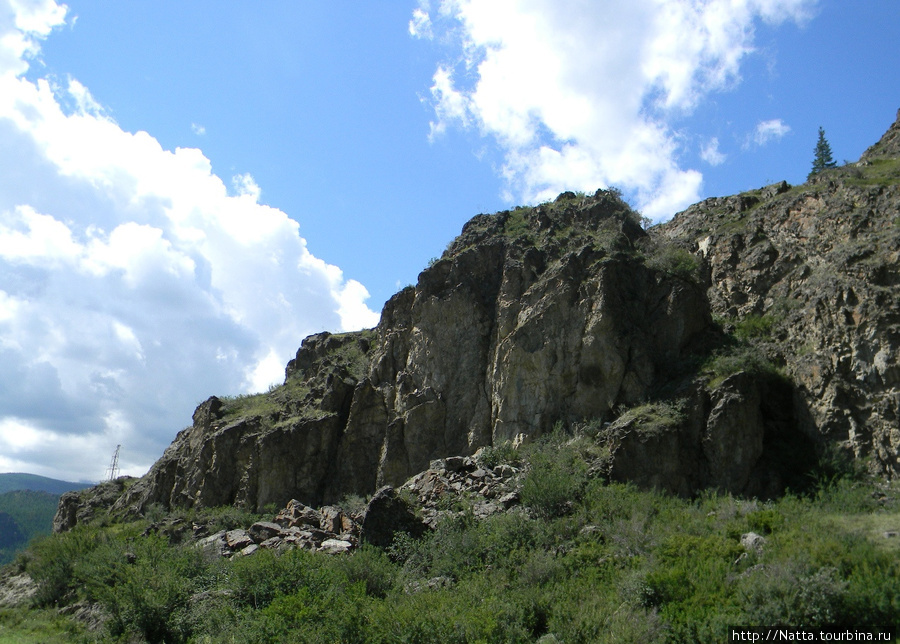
point(187, 190)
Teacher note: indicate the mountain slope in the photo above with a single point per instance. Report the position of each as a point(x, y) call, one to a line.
point(19, 481)
point(24, 514)
point(726, 349)
point(816, 269)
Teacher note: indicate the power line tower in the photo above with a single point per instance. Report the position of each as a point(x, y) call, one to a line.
point(112, 472)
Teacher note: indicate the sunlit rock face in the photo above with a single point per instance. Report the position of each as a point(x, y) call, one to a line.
point(820, 264)
point(571, 314)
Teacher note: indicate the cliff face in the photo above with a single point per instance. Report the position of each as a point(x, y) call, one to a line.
point(530, 318)
point(815, 269)
point(570, 313)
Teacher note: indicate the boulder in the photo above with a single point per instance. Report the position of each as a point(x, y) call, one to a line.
point(262, 530)
point(388, 514)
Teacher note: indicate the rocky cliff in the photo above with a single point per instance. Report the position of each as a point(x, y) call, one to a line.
point(716, 350)
point(812, 272)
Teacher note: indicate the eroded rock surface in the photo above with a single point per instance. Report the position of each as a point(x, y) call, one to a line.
point(819, 264)
point(531, 317)
point(570, 312)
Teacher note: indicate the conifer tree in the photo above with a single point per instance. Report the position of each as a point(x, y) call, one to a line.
point(822, 159)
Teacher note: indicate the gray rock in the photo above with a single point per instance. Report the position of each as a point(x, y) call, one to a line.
point(238, 539)
point(215, 544)
point(570, 311)
point(753, 542)
point(296, 513)
point(332, 519)
point(273, 543)
point(17, 590)
point(335, 546)
point(262, 530)
point(386, 515)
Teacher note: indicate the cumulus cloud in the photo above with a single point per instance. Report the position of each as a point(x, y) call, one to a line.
point(420, 25)
point(771, 130)
point(579, 98)
point(710, 152)
point(133, 282)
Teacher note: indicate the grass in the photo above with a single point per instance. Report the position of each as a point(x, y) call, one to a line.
point(754, 326)
point(652, 419)
point(672, 260)
point(588, 561)
point(879, 172)
point(38, 626)
point(739, 357)
point(871, 527)
point(297, 397)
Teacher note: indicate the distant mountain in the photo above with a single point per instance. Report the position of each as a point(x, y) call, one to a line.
point(27, 505)
point(24, 514)
point(17, 481)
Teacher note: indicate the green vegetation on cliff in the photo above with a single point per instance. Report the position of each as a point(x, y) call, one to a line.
point(582, 560)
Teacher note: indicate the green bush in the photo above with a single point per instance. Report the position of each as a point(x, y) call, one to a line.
point(741, 358)
point(791, 594)
point(754, 326)
point(504, 453)
point(56, 558)
point(256, 581)
point(147, 589)
point(765, 521)
point(588, 562)
point(673, 260)
point(371, 567)
point(653, 418)
point(555, 478)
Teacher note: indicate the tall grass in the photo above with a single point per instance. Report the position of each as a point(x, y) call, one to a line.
point(582, 560)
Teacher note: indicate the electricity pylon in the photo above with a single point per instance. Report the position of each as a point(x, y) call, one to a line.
point(112, 471)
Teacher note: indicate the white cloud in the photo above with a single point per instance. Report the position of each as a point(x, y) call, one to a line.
point(420, 25)
point(198, 129)
point(771, 130)
point(580, 97)
point(135, 283)
point(710, 152)
point(449, 104)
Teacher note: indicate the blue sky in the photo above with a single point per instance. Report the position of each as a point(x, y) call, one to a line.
point(188, 189)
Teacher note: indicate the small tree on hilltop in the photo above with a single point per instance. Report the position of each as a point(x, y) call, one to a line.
point(822, 159)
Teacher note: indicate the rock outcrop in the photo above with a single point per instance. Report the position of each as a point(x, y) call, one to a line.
point(570, 312)
point(812, 273)
point(531, 317)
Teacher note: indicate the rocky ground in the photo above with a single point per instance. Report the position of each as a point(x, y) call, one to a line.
point(446, 487)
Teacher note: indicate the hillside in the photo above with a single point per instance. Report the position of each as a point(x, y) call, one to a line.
point(811, 274)
point(18, 481)
point(24, 514)
point(767, 321)
point(572, 428)
point(27, 505)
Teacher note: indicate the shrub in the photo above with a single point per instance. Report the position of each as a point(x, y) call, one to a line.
point(54, 562)
point(653, 418)
point(555, 479)
point(504, 453)
point(740, 358)
point(791, 594)
point(371, 567)
point(754, 326)
point(673, 260)
point(148, 590)
point(257, 580)
point(765, 521)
